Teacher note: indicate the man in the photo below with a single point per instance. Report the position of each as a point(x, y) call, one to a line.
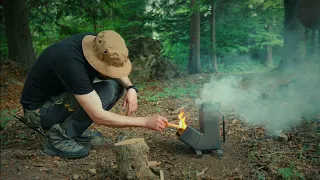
point(60, 95)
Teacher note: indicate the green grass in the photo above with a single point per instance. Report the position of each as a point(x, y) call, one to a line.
point(6, 117)
point(177, 91)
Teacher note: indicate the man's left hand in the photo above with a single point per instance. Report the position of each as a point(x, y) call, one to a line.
point(130, 100)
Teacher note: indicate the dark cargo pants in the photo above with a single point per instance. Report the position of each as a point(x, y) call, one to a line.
point(64, 108)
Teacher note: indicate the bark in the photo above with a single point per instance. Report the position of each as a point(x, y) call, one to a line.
point(194, 65)
point(294, 44)
point(313, 45)
point(213, 36)
point(319, 41)
point(132, 159)
point(18, 32)
point(309, 13)
point(197, 44)
point(269, 49)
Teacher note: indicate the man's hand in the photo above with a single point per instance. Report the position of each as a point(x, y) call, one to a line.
point(156, 122)
point(130, 100)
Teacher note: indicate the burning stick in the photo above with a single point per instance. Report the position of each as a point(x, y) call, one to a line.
point(182, 122)
point(170, 125)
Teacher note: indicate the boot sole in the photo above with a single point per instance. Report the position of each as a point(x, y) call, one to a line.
point(50, 151)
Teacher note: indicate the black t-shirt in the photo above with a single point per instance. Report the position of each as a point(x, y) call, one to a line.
point(60, 68)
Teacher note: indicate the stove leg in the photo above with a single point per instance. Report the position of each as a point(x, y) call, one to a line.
point(199, 154)
point(219, 152)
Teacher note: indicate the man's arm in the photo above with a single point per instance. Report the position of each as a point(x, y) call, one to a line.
point(124, 81)
point(92, 105)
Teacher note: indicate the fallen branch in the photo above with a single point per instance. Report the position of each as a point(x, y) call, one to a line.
point(153, 163)
point(202, 172)
point(161, 175)
point(279, 152)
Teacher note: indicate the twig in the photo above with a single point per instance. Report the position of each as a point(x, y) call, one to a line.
point(161, 175)
point(257, 171)
point(202, 172)
point(279, 152)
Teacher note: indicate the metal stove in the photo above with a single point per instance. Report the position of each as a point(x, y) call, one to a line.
point(208, 138)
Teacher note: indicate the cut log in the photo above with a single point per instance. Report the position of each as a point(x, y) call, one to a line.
point(132, 159)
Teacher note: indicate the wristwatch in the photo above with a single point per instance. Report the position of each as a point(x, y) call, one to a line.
point(133, 87)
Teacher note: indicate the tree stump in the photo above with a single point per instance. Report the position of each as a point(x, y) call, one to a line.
point(132, 159)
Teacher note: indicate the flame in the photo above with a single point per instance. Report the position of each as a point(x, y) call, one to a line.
point(182, 118)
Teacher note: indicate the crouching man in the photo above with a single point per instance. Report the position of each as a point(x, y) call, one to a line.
point(60, 93)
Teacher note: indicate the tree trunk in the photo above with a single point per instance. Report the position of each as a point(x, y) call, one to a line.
point(132, 159)
point(214, 62)
point(18, 32)
point(269, 61)
point(194, 65)
point(309, 13)
point(294, 44)
point(313, 46)
point(197, 32)
point(319, 41)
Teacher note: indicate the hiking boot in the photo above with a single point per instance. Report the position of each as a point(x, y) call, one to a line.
point(60, 145)
point(87, 135)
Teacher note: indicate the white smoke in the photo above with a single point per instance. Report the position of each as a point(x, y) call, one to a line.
point(298, 95)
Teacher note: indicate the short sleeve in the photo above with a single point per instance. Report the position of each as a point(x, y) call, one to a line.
point(74, 77)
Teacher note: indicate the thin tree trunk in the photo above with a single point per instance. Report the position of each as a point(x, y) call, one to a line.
point(319, 41)
point(18, 32)
point(313, 45)
point(213, 37)
point(197, 34)
point(269, 61)
point(294, 44)
point(192, 51)
point(191, 60)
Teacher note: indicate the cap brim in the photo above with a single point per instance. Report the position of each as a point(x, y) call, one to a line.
point(100, 65)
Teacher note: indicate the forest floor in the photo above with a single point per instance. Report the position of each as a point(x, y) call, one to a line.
point(248, 152)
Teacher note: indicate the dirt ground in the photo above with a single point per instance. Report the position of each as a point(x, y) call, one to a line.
point(248, 152)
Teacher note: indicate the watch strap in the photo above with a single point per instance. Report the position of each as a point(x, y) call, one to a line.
point(133, 87)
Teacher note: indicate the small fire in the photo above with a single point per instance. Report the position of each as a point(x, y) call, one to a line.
point(182, 118)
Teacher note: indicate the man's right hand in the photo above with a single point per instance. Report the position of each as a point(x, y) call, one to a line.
point(92, 105)
point(156, 122)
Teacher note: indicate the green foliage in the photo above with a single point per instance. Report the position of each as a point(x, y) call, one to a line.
point(241, 26)
point(290, 173)
point(177, 52)
point(6, 117)
point(51, 21)
point(261, 175)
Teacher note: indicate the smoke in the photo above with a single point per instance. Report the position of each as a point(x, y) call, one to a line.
point(274, 100)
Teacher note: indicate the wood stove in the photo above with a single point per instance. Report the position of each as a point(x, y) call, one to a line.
point(208, 138)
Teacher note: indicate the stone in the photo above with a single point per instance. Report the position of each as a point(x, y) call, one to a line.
point(92, 171)
point(75, 176)
point(280, 137)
